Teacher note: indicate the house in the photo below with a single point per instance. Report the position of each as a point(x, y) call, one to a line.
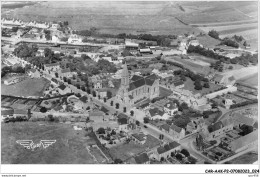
point(170, 108)
point(55, 39)
point(131, 45)
point(155, 113)
point(145, 51)
point(33, 73)
point(123, 121)
point(224, 80)
point(142, 159)
point(139, 138)
point(244, 142)
point(55, 26)
point(228, 103)
point(164, 152)
point(196, 125)
point(177, 132)
point(66, 73)
point(74, 38)
point(165, 128)
point(63, 90)
point(219, 128)
point(53, 67)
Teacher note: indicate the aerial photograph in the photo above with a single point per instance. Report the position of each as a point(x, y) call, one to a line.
point(129, 82)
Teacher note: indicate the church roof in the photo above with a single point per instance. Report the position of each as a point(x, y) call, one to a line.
point(141, 81)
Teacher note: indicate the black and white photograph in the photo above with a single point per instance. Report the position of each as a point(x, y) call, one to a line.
point(144, 83)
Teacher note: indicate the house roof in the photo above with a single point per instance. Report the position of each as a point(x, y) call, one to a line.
point(52, 64)
point(175, 128)
point(165, 127)
point(155, 111)
point(244, 140)
point(173, 144)
point(121, 115)
point(141, 81)
point(142, 158)
point(167, 147)
point(83, 99)
point(139, 136)
point(62, 87)
point(244, 120)
point(67, 70)
point(214, 127)
point(105, 110)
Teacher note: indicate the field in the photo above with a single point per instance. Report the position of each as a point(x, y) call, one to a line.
point(112, 17)
point(197, 67)
point(248, 158)
point(189, 85)
point(28, 87)
point(126, 151)
point(69, 148)
point(251, 80)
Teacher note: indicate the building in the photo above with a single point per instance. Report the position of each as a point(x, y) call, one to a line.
point(74, 38)
point(33, 73)
point(145, 51)
point(219, 128)
point(171, 108)
point(177, 132)
point(156, 113)
point(196, 125)
point(63, 90)
point(244, 142)
point(139, 138)
point(6, 112)
point(66, 73)
point(164, 152)
point(53, 67)
point(131, 45)
point(55, 39)
point(96, 115)
point(224, 80)
point(137, 88)
point(142, 159)
point(123, 121)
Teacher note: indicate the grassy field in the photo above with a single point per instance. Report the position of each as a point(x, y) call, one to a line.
point(251, 80)
point(69, 148)
point(189, 85)
point(126, 151)
point(28, 87)
point(248, 158)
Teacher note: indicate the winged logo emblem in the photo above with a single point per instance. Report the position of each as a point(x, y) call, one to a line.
point(29, 144)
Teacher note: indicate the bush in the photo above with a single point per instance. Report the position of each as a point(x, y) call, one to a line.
point(101, 130)
point(185, 152)
point(146, 120)
point(214, 34)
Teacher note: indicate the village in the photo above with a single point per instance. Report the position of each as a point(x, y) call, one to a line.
point(142, 102)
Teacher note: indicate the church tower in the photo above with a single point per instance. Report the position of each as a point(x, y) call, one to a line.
point(125, 77)
point(123, 91)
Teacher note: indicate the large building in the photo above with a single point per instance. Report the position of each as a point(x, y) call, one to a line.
point(137, 88)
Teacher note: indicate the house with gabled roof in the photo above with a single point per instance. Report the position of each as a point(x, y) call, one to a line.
point(177, 132)
point(171, 108)
point(53, 67)
point(155, 113)
point(219, 128)
point(139, 138)
point(63, 89)
point(165, 150)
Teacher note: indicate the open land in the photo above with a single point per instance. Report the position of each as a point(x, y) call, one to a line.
point(28, 87)
point(70, 146)
point(247, 158)
point(251, 80)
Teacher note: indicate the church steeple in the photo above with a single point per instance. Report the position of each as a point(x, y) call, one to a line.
point(125, 76)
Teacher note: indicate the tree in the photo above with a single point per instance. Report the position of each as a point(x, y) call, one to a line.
point(43, 110)
point(69, 81)
point(118, 161)
point(105, 100)
point(213, 33)
point(56, 75)
point(64, 39)
point(99, 97)
point(64, 79)
point(132, 113)
point(137, 123)
point(185, 152)
point(109, 94)
point(124, 109)
point(94, 93)
point(111, 103)
point(146, 120)
point(206, 85)
point(51, 118)
point(179, 156)
point(230, 67)
point(117, 105)
point(162, 159)
point(101, 130)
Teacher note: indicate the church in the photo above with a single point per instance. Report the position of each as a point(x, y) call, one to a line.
point(137, 88)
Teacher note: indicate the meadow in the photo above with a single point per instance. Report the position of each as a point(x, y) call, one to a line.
point(28, 87)
point(69, 148)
